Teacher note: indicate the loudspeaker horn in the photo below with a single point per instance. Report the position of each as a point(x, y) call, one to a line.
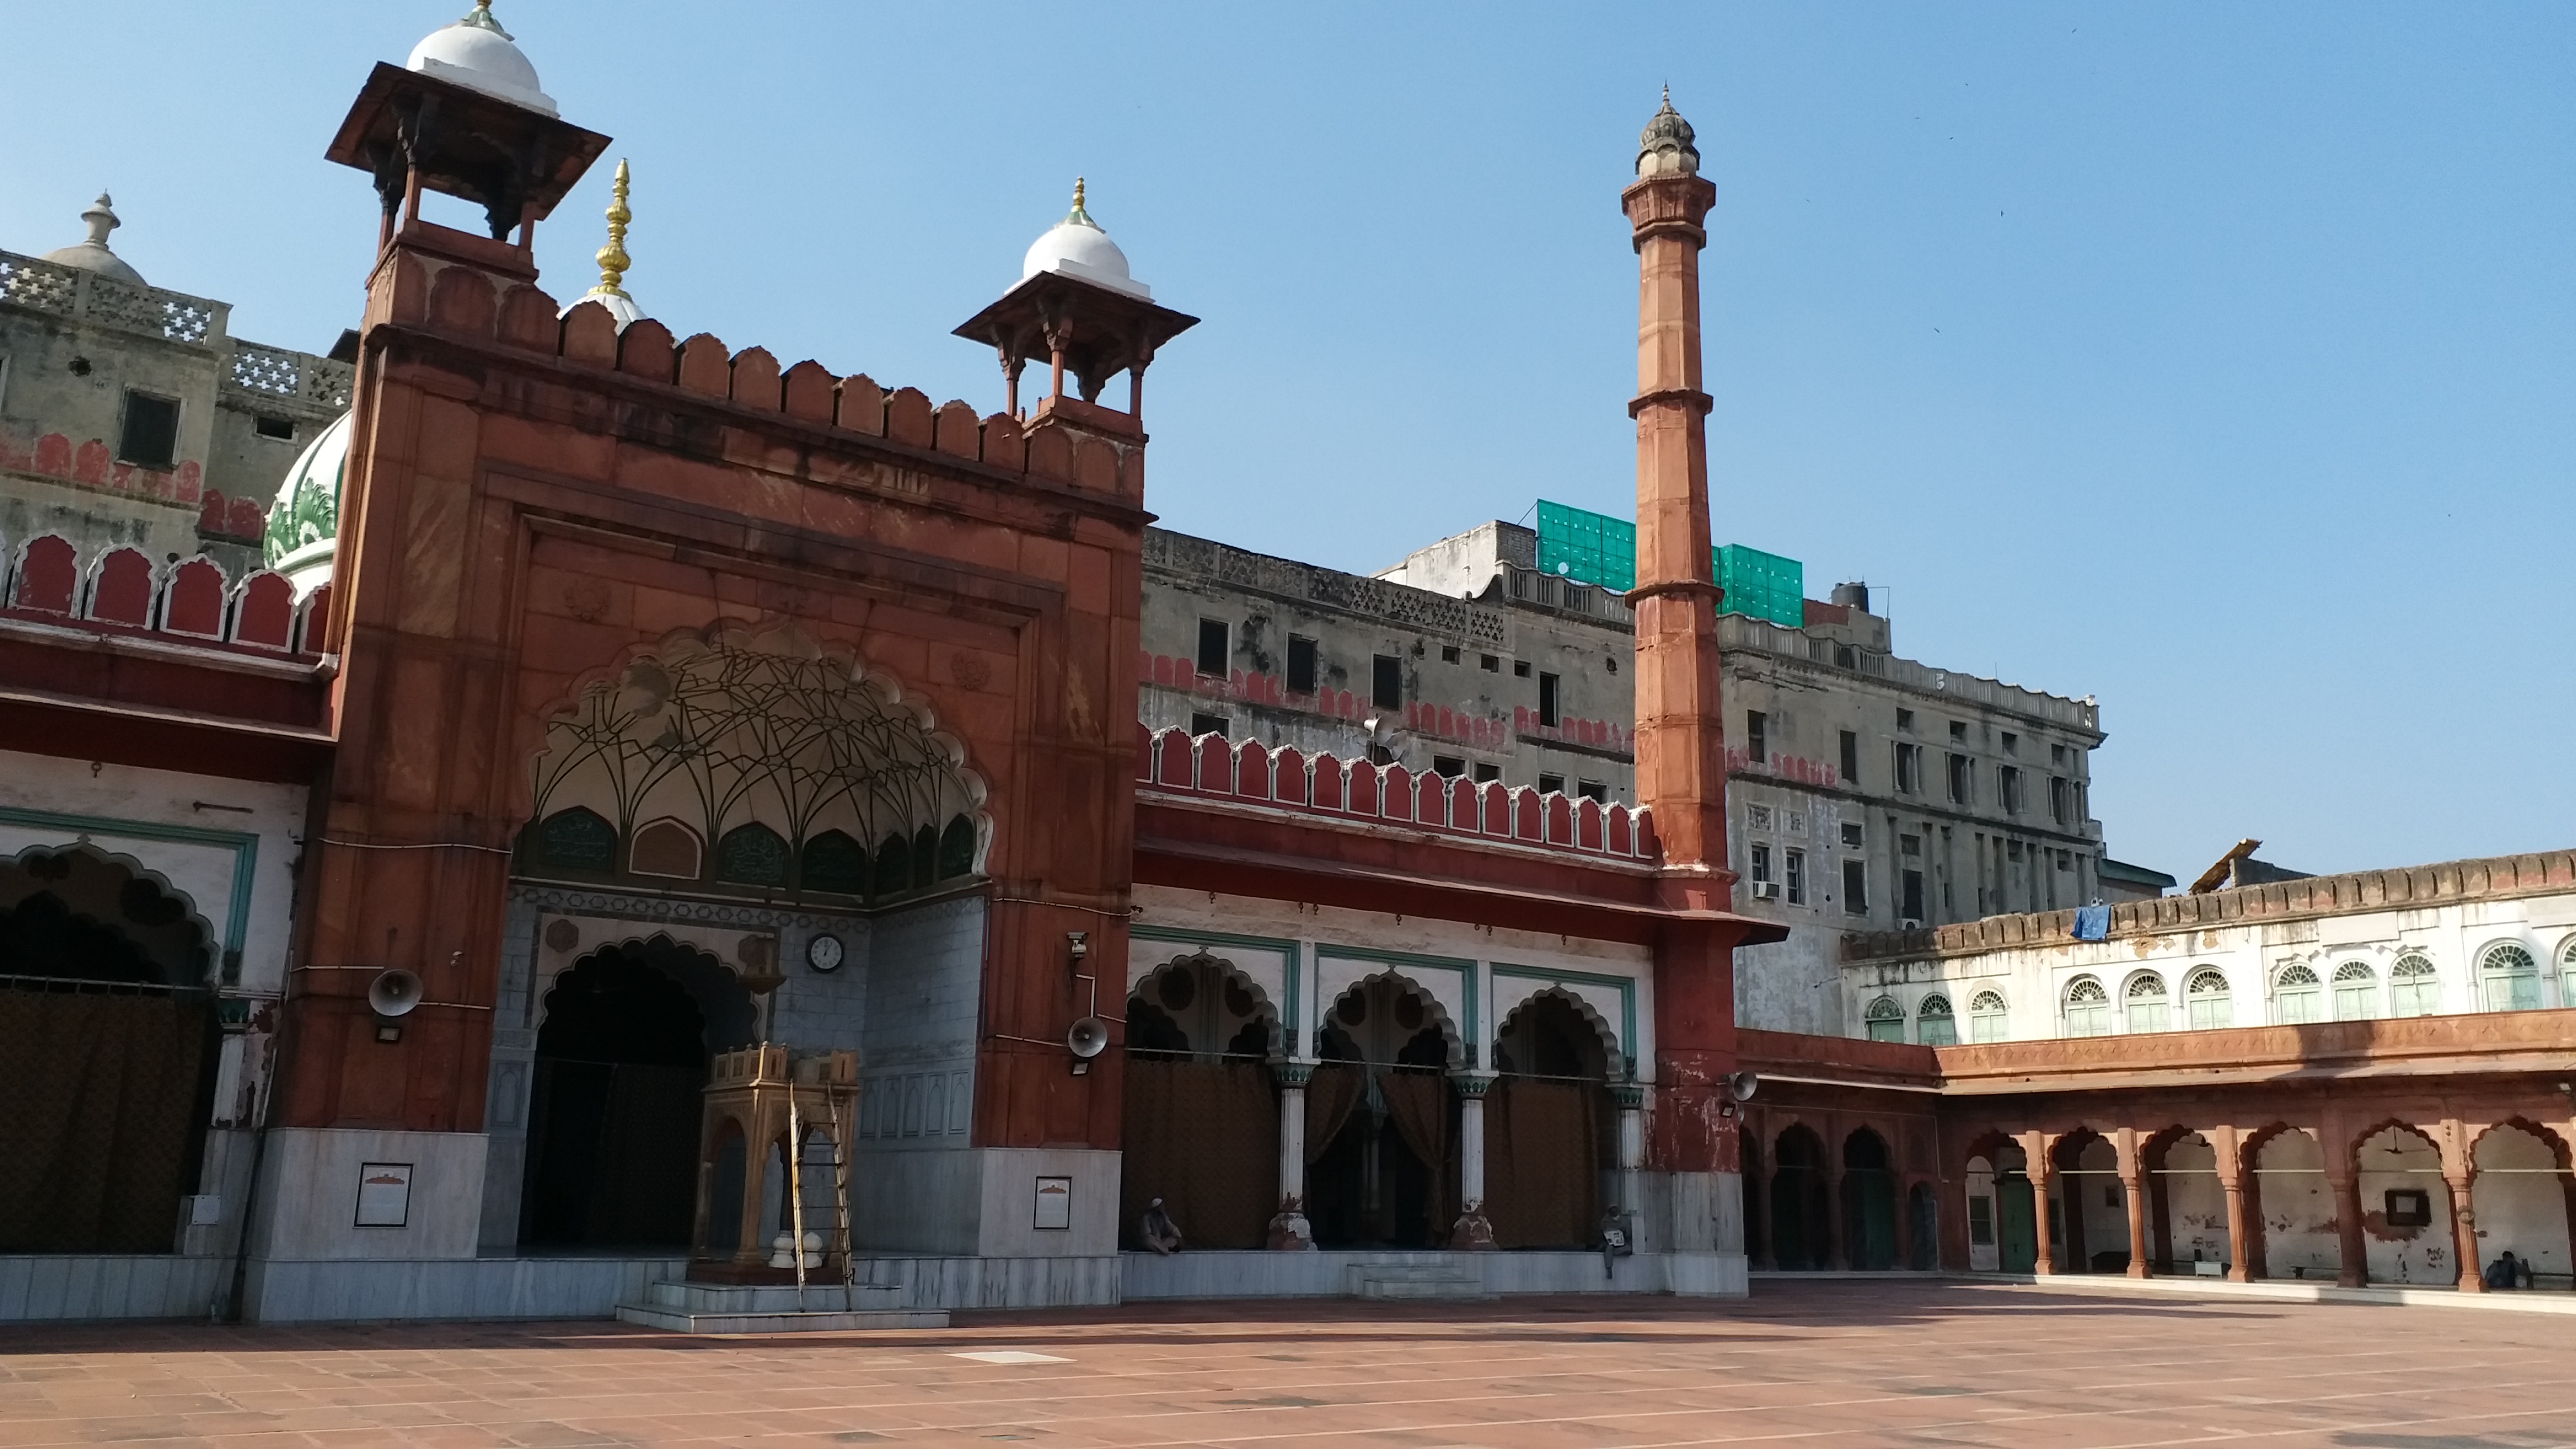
point(1741, 1086)
point(394, 992)
point(1089, 1037)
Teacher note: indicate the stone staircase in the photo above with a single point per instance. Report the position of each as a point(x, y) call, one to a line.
point(764, 1308)
point(1417, 1282)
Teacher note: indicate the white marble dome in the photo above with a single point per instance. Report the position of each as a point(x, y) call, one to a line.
point(91, 254)
point(1077, 247)
point(304, 521)
point(477, 52)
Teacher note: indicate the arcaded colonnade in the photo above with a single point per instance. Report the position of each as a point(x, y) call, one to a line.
point(2388, 1153)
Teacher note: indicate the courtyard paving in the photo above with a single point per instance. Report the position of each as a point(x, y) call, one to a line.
point(1822, 1363)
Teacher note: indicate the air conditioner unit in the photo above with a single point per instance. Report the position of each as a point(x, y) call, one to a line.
point(1909, 924)
point(1766, 890)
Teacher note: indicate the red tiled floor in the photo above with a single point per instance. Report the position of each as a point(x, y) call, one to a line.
point(1826, 1363)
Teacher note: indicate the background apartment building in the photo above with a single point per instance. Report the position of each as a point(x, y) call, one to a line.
point(1867, 792)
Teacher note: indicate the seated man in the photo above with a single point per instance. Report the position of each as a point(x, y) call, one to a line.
point(1158, 1230)
point(2505, 1272)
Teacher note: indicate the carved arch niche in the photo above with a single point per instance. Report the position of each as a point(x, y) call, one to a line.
point(756, 763)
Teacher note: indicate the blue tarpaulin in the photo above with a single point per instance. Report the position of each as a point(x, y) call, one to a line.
point(2093, 923)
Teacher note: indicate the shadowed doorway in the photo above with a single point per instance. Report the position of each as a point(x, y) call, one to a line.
point(614, 1117)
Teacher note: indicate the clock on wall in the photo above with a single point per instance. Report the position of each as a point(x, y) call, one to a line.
point(823, 952)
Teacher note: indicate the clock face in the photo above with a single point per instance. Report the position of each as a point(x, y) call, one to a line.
point(823, 953)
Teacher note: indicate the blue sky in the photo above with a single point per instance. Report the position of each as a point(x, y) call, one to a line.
point(2215, 360)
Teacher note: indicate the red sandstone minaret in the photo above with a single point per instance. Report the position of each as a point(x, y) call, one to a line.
point(1681, 746)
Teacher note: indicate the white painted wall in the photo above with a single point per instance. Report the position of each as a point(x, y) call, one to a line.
point(2521, 1203)
point(2251, 955)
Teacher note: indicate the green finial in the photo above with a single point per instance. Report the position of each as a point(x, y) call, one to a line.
point(1078, 214)
point(482, 19)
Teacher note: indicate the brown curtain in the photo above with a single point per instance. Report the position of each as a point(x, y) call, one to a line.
point(1330, 1095)
point(1543, 1163)
point(100, 1099)
point(1203, 1137)
point(1418, 1104)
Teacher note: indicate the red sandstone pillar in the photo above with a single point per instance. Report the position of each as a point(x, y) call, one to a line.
point(2036, 1147)
point(2352, 1270)
point(2133, 1184)
point(2241, 1267)
point(2464, 1228)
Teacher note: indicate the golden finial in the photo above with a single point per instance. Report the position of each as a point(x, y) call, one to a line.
point(613, 260)
point(1079, 213)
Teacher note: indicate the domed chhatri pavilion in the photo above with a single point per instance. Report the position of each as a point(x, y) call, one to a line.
point(528, 814)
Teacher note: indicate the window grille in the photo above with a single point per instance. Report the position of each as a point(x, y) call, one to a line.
point(2414, 988)
point(1934, 1024)
point(1987, 1018)
point(1886, 1020)
point(2356, 992)
point(2295, 995)
point(2512, 978)
point(2207, 999)
point(2148, 1010)
point(2088, 1008)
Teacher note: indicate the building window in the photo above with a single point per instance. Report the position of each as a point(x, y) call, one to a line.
point(1213, 648)
point(1448, 767)
point(2057, 756)
point(1386, 681)
point(1757, 859)
point(1301, 665)
point(1212, 724)
point(2205, 997)
point(1958, 734)
point(2356, 990)
point(1490, 663)
point(2413, 988)
point(1486, 772)
point(1885, 1020)
point(1987, 1019)
point(1593, 790)
point(2512, 978)
point(2012, 743)
point(1855, 888)
point(1551, 784)
point(1910, 906)
point(150, 437)
point(1852, 835)
point(2088, 1008)
point(1905, 719)
point(2294, 995)
point(1963, 780)
point(1548, 712)
point(1797, 877)
point(2008, 785)
point(2567, 974)
point(2058, 797)
point(1757, 727)
point(1851, 758)
point(1934, 1025)
point(2148, 1008)
point(1448, 653)
point(1909, 769)
point(1520, 669)
point(280, 429)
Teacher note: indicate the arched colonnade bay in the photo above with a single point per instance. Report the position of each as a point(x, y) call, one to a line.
point(2389, 1192)
point(1384, 1129)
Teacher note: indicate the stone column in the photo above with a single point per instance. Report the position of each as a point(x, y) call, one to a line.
point(1631, 1100)
point(2351, 1271)
point(2133, 1183)
point(2241, 1267)
point(2464, 1228)
point(2036, 1147)
point(1473, 1231)
point(1289, 1230)
point(1837, 1231)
